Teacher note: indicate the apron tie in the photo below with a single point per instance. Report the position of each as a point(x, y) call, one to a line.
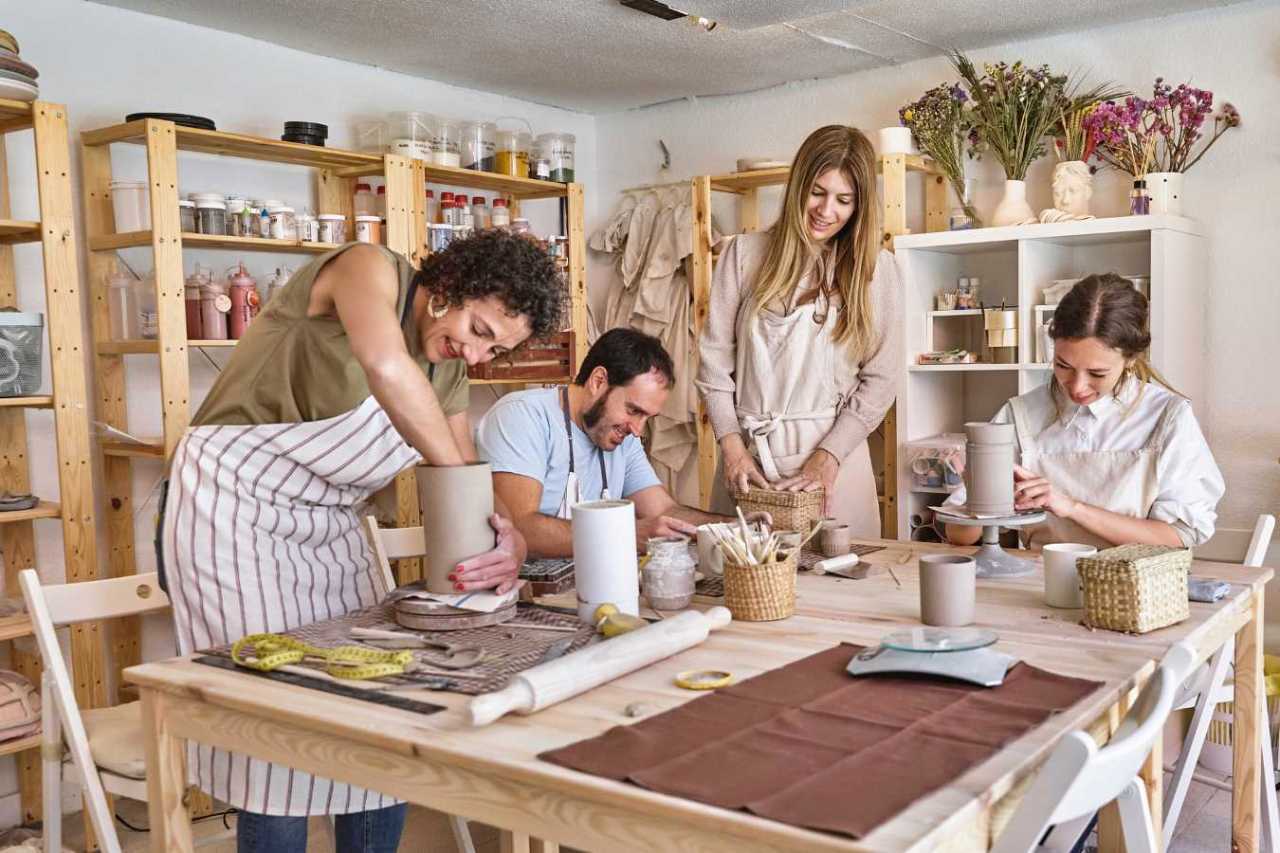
point(761, 426)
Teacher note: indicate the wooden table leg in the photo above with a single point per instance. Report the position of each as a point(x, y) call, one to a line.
point(1110, 836)
point(518, 842)
point(1246, 788)
point(166, 778)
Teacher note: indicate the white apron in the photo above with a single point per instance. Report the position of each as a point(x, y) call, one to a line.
point(572, 488)
point(261, 532)
point(1121, 481)
point(793, 380)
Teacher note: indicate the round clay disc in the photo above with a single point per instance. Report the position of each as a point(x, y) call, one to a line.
point(411, 613)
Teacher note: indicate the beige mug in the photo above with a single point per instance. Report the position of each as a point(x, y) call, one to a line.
point(835, 539)
point(1062, 585)
point(948, 590)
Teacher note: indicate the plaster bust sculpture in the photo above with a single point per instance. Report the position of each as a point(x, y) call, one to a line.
point(1072, 190)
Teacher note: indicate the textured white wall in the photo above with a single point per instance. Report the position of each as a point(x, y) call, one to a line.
point(1235, 52)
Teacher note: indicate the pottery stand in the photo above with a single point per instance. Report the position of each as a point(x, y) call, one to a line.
point(993, 561)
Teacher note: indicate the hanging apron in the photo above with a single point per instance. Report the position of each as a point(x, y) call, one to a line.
point(793, 380)
point(260, 531)
point(572, 488)
point(1121, 481)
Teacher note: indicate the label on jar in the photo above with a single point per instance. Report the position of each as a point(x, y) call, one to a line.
point(542, 169)
point(222, 303)
point(148, 323)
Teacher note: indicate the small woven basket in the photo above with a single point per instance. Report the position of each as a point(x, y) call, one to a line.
point(761, 593)
point(790, 510)
point(1135, 588)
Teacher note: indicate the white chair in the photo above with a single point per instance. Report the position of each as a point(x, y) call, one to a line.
point(395, 543)
point(106, 745)
point(1078, 778)
point(1210, 685)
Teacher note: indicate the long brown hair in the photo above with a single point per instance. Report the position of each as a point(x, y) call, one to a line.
point(1109, 308)
point(793, 252)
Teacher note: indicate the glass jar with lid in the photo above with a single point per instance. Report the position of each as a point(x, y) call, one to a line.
point(371, 136)
point(479, 140)
point(187, 215)
point(512, 154)
point(556, 151)
point(445, 147)
point(409, 134)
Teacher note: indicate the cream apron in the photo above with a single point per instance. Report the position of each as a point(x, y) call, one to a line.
point(793, 380)
point(1121, 481)
point(572, 488)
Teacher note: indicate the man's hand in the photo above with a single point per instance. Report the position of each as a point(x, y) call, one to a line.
point(661, 527)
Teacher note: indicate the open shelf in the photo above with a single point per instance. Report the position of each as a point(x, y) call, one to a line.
point(515, 380)
point(14, 115)
point(21, 744)
point(13, 627)
point(18, 231)
point(151, 347)
point(959, 312)
point(39, 401)
point(1092, 231)
point(44, 509)
point(737, 182)
point(130, 239)
point(522, 188)
point(150, 450)
point(964, 368)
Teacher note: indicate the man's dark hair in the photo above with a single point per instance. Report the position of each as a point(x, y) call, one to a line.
point(626, 354)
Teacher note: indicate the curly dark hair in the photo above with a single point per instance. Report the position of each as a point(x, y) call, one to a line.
point(512, 267)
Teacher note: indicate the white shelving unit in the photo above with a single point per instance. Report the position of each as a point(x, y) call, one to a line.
point(1015, 264)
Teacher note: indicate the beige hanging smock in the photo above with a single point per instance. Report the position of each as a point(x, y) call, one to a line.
point(780, 378)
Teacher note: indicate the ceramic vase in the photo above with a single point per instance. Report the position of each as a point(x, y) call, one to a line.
point(1165, 191)
point(1013, 208)
point(988, 469)
point(456, 502)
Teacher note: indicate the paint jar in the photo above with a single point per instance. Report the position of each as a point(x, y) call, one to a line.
point(235, 224)
point(439, 236)
point(284, 223)
point(520, 226)
point(371, 136)
point(446, 149)
point(553, 153)
point(667, 577)
point(479, 143)
point(364, 202)
point(333, 228)
point(186, 216)
point(211, 217)
point(193, 292)
point(308, 228)
point(145, 308)
point(121, 310)
point(512, 153)
point(369, 229)
point(215, 304)
point(409, 134)
point(479, 214)
point(501, 216)
point(244, 302)
point(262, 217)
point(132, 206)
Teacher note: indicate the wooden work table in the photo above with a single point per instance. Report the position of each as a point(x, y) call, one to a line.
point(492, 774)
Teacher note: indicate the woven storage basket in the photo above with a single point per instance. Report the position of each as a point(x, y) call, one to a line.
point(1135, 588)
point(761, 593)
point(790, 510)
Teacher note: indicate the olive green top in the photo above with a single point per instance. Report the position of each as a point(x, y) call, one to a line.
point(291, 368)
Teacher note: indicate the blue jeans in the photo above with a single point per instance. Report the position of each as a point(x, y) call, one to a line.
point(376, 831)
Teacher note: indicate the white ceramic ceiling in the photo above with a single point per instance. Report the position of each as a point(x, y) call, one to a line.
point(598, 56)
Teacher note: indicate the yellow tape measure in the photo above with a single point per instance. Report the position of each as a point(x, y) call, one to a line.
point(272, 651)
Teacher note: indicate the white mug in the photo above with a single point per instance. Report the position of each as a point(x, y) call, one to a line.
point(1062, 586)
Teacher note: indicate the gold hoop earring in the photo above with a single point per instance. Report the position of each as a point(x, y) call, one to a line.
point(435, 312)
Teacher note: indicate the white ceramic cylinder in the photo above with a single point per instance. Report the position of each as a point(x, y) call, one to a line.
point(1165, 189)
point(1013, 207)
point(604, 557)
point(456, 502)
point(896, 140)
point(1062, 587)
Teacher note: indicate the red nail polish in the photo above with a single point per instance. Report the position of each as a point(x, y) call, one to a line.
point(453, 577)
point(458, 587)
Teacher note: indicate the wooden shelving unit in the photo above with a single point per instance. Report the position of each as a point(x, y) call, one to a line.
point(55, 231)
point(893, 169)
point(1015, 265)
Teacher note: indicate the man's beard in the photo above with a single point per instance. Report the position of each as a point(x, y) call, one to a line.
point(592, 416)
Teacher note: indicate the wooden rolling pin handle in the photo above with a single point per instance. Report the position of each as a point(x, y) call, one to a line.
point(578, 672)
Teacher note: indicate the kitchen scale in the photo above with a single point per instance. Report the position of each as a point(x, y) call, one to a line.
point(992, 560)
point(960, 653)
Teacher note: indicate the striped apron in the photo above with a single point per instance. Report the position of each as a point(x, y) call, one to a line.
point(261, 532)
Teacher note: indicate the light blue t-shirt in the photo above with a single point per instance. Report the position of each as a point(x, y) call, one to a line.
point(524, 434)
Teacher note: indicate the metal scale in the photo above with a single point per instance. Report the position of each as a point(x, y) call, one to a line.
point(960, 653)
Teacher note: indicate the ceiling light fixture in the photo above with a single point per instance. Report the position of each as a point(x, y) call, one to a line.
point(666, 13)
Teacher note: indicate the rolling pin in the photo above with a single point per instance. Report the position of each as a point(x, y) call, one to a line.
point(577, 672)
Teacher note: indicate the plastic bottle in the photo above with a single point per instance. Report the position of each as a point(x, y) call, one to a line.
point(446, 208)
point(432, 208)
point(144, 300)
point(365, 203)
point(215, 304)
point(380, 203)
point(501, 216)
point(479, 213)
point(244, 302)
point(193, 292)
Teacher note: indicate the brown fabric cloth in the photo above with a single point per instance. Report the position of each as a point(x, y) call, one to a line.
point(809, 745)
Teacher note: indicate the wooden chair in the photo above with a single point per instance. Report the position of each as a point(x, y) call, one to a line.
point(106, 745)
point(394, 543)
point(1211, 684)
point(1079, 778)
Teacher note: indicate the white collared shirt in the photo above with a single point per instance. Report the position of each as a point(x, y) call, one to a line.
point(1189, 484)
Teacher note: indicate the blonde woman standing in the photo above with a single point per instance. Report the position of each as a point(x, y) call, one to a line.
point(797, 358)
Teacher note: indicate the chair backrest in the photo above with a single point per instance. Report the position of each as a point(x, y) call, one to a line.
point(393, 543)
point(1078, 778)
point(68, 603)
point(1260, 542)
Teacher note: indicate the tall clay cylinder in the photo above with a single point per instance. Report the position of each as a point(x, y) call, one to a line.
point(604, 557)
point(988, 470)
point(456, 502)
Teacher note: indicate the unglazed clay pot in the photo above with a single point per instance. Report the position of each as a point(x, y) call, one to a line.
point(948, 590)
point(456, 502)
point(988, 472)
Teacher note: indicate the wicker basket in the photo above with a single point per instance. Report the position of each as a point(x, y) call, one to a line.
point(790, 510)
point(1135, 588)
point(761, 593)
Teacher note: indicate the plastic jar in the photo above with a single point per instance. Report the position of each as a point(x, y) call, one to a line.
point(369, 229)
point(479, 213)
point(501, 215)
point(479, 144)
point(445, 148)
point(556, 149)
point(409, 134)
point(187, 216)
point(284, 223)
point(215, 304)
point(333, 228)
point(668, 576)
point(520, 226)
point(512, 153)
point(211, 217)
point(308, 228)
point(262, 217)
point(439, 236)
point(235, 223)
point(364, 202)
point(120, 307)
point(380, 203)
point(132, 206)
point(371, 136)
point(145, 308)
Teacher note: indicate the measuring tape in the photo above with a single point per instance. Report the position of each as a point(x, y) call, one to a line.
point(272, 651)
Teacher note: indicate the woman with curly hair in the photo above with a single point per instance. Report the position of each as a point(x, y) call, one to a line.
point(355, 371)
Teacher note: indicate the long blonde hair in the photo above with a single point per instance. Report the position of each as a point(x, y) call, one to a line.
point(793, 252)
